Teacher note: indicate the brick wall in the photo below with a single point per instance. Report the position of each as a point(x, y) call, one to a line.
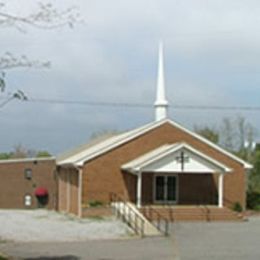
point(68, 190)
point(14, 186)
point(103, 174)
point(197, 189)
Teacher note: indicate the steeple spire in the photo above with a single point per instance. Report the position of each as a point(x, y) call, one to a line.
point(161, 104)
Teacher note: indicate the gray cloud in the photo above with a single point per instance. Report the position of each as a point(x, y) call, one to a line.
point(212, 57)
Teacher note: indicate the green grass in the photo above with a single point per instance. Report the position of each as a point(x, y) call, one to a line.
point(99, 218)
point(257, 208)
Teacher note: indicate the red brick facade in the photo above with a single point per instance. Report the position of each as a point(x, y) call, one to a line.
point(15, 185)
point(68, 190)
point(103, 174)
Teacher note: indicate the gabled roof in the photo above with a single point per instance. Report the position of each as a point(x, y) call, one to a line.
point(92, 151)
point(24, 160)
point(84, 147)
point(79, 158)
point(146, 161)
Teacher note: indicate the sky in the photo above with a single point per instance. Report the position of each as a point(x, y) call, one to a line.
point(212, 58)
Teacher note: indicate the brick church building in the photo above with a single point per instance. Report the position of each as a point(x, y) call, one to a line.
point(160, 163)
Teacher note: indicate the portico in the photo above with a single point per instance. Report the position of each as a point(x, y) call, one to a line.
point(178, 174)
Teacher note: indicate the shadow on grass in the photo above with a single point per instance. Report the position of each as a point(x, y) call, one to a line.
point(67, 257)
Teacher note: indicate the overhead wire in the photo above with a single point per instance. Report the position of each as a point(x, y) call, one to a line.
point(141, 105)
point(7, 99)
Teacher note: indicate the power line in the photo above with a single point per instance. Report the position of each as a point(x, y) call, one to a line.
point(142, 105)
point(134, 105)
point(89, 103)
point(199, 107)
point(6, 101)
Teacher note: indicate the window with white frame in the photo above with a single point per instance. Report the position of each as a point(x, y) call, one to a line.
point(27, 200)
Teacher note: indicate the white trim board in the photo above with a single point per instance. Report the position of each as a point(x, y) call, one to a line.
point(24, 160)
point(163, 159)
point(111, 143)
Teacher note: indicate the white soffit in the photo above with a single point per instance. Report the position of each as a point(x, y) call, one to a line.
point(166, 159)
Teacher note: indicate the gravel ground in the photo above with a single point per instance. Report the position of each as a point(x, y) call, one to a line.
point(42, 225)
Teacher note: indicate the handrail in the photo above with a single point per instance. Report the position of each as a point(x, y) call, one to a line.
point(159, 220)
point(127, 214)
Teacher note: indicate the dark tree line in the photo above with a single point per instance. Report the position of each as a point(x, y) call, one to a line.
point(237, 136)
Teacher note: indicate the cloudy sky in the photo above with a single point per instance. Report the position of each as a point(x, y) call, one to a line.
point(212, 57)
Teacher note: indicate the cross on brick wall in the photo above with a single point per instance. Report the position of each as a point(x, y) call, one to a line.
point(182, 159)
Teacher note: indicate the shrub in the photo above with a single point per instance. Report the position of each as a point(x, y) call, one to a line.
point(237, 207)
point(95, 203)
point(253, 200)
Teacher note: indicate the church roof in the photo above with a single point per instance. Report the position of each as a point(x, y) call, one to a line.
point(168, 150)
point(93, 150)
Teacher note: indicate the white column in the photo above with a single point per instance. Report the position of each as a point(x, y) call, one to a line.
point(139, 190)
point(220, 190)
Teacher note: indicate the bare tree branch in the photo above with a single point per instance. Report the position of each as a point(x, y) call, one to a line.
point(9, 61)
point(46, 17)
point(19, 95)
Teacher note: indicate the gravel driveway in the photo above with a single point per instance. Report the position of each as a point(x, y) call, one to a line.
point(42, 225)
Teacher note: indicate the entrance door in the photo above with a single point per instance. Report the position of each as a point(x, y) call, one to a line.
point(165, 189)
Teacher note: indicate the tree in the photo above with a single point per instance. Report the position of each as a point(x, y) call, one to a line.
point(21, 152)
point(43, 154)
point(233, 134)
point(227, 137)
point(253, 193)
point(237, 136)
point(209, 133)
point(46, 16)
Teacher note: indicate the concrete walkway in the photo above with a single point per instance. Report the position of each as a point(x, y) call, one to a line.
point(125, 249)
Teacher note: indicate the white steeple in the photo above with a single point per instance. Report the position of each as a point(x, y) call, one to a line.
point(161, 104)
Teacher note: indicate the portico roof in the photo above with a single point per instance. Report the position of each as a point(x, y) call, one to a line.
point(178, 157)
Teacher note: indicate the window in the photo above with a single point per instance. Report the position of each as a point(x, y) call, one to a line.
point(28, 174)
point(27, 200)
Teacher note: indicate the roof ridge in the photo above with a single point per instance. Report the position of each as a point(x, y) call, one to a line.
point(104, 146)
point(31, 159)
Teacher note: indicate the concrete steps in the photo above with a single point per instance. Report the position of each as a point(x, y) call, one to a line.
point(196, 213)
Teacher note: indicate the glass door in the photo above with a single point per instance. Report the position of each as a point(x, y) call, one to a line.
point(165, 189)
point(171, 188)
point(159, 188)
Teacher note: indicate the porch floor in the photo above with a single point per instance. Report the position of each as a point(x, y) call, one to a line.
point(177, 213)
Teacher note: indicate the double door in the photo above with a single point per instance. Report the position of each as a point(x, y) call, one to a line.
point(166, 189)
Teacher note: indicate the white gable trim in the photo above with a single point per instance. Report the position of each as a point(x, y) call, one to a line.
point(148, 161)
point(90, 153)
point(109, 144)
point(25, 160)
point(206, 141)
